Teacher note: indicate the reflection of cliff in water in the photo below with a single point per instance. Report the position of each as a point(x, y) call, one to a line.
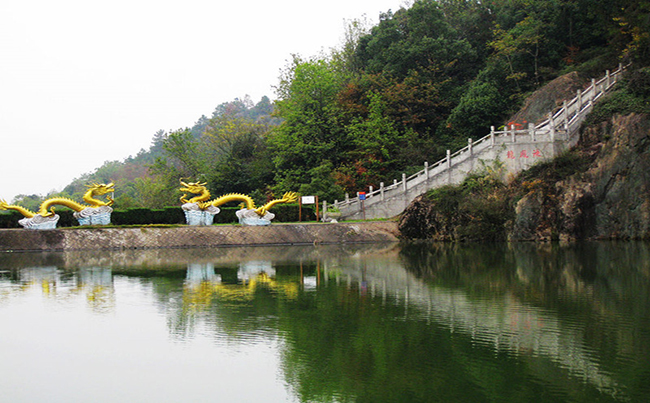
point(508, 297)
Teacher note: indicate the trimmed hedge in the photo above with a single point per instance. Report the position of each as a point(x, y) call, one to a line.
point(9, 219)
point(167, 215)
point(144, 216)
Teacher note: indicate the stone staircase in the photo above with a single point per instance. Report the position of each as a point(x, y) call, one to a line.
point(516, 149)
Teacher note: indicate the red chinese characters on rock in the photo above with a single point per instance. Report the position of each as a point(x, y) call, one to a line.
point(523, 154)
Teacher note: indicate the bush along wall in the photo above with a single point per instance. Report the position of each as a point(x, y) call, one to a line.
point(144, 216)
point(9, 219)
point(168, 216)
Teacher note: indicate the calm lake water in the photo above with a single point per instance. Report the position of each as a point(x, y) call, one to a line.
point(373, 323)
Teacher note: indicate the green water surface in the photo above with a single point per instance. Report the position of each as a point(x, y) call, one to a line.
point(373, 323)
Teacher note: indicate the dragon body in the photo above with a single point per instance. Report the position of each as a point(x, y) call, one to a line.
point(204, 202)
point(46, 209)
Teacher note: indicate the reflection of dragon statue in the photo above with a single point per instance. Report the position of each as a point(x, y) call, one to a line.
point(204, 195)
point(46, 209)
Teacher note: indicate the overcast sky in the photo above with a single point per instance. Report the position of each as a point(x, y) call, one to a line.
point(84, 82)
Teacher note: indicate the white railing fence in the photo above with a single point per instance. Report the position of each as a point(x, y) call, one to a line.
point(559, 126)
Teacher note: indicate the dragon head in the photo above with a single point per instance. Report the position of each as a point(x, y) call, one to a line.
point(102, 188)
point(193, 187)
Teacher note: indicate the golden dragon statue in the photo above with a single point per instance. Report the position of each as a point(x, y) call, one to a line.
point(46, 208)
point(204, 202)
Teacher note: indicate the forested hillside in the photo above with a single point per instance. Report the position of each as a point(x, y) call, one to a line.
point(421, 81)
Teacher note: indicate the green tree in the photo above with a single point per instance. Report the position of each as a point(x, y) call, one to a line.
point(242, 162)
point(310, 133)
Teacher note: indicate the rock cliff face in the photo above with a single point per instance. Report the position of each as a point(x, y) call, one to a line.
point(604, 195)
point(612, 198)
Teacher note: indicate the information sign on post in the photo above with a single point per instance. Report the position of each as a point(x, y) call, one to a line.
point(307, 200)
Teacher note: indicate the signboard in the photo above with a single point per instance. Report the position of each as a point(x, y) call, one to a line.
point(307, 200)
point(362, 195)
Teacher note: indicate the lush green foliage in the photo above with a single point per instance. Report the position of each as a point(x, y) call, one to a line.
point(421, 81)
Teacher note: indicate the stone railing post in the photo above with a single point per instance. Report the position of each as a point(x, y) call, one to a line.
point(593, 89)
point(551, 125)
point(470, 146)
point(512, 133)
point(448, 158)
point(426, 170)
point(531, 131)
point(565, 115)
point(607, 79)
point(381, 191)
point(404, 182)
point(491, 135)
point(370, 189)
point(579, 96)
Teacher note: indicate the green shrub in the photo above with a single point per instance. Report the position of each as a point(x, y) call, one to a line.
point(9, 219)
point(471, 211)
point(144, 216)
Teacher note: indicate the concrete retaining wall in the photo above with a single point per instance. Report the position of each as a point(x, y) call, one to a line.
point(22, 240)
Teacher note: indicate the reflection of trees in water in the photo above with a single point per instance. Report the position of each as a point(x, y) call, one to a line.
point(584, 306)
point(462, 321)
point(457, 322)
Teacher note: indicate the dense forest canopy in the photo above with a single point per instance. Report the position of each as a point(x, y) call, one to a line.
point(421, 81)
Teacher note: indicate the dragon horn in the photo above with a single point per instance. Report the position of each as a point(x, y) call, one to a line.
point(183, 183)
